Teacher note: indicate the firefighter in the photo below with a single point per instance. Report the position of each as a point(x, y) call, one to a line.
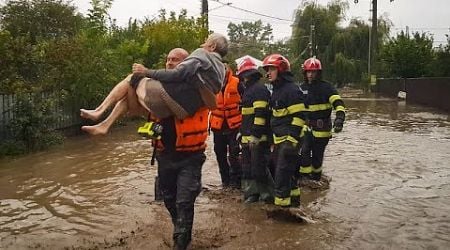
point(321, 99)
point(180, 156)
point(257, 182)
point(225, 122)
point(287, 121)
point(175, 57)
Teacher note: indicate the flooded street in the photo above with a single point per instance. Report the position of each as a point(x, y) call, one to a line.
point(390, 189)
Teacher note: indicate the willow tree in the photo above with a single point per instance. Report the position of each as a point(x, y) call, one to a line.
point(314, 27)
point(319, 25)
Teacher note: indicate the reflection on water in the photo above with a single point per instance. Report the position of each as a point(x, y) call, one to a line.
point(390, 189)
point(86, 187)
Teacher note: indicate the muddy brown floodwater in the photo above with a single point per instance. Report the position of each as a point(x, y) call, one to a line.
point(390, 189)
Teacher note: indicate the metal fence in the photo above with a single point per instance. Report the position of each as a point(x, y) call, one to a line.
point(432, 92)
point(67, 113)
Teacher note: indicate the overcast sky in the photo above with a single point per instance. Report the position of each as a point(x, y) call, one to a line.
point(431, 16)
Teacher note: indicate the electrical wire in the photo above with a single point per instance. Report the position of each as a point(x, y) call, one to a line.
point(252, 12)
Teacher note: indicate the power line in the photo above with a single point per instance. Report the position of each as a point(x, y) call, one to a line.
point(252, 12)
point(423, 28)
point(242, 19)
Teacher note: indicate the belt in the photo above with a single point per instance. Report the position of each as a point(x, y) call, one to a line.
point(319, 123)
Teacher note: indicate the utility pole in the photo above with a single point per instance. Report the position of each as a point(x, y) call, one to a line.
point(369, 56)
point(311, 40)
point(374, 35)
point(204, 13)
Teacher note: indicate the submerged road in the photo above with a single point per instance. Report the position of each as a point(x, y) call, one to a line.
point(390, 189)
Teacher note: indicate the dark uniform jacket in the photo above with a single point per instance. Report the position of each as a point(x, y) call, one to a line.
point(321, 98)
point(255, 112)
point(288, 110)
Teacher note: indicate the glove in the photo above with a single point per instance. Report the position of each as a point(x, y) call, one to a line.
point(338, 125)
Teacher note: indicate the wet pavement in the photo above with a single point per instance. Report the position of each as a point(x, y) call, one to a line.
point(390, 189)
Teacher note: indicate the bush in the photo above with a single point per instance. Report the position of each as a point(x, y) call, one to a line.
point(11, 147)
point(33, 124)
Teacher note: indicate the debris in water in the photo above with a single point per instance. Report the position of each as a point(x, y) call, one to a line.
point(291, 214)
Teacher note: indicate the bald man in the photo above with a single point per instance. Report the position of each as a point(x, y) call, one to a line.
point(175, 57)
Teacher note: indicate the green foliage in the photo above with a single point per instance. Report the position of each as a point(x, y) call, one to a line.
point(344, 69)
point(441, 64)
point(249, 38)
point(342, 51)
point(32, 122)
point(166, 33)
point(27, 27)
point(12, 147)
point(325, 21)
point(40, 19)
point(45, 45)
point(407, 56)
point(97, 17)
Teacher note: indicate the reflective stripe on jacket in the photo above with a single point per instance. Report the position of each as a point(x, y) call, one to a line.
point(321, 99)
point(228, 101)
point(255, 112)
point(288, 110)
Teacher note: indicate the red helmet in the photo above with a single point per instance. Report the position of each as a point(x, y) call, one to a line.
point(246, 65)
point(312, 64)
point(278, 61)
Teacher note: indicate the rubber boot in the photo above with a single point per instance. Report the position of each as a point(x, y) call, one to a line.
point(266, 190)
point(295, 201)
point(235, 182)
point(316, 176)
point(250, 190)
point(158, 193)
point(266, 195)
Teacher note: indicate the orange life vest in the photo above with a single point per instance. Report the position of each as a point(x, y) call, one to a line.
point(191, 132)
point(228, 101)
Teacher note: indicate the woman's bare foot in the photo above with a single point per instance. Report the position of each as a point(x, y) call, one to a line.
point(95, 130)
point(92, 115)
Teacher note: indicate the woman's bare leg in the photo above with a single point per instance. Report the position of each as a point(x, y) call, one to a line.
point(117, 93)
point(128, 105)
point(103, 127)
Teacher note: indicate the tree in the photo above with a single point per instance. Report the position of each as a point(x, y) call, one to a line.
point(342, 50)
point(316, 23)
point(165, 33)
point(27, 27)
point(407, 56)
point(344, 68)
point(40, 19)
point(98, 15)
point(313, 29)
point(441, 65)
point(250, 38)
